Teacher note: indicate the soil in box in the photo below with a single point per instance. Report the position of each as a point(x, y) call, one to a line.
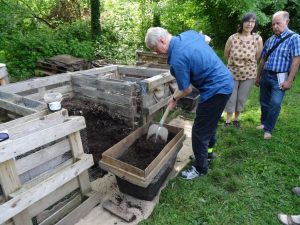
point(140, 155)
point(103, 130)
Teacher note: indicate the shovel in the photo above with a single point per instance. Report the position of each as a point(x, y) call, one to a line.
point(157, 131)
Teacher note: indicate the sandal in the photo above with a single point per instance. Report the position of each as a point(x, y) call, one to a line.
point(289, 219)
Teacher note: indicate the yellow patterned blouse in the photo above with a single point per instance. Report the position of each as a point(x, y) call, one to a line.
point(241, 60)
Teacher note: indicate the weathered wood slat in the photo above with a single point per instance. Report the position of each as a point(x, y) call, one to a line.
point(35, 83)
point(66, 91)
point(77, 150)
point(10, 183)
point(28, 197)
point(152, 109)
point(12, 148)
point(23, 120)
point(43, 156)
point(140, 71)
point(117, 86)
point(81, 210)
point(84, 81)
point(53, 197)
point(22, 129)
point(59, 214)
point(98, 71)
point(110, 97)
point(156, 81)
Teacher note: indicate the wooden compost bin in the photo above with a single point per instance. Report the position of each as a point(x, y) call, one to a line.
point(143, 184)
point(135, 93)
point(36, 140)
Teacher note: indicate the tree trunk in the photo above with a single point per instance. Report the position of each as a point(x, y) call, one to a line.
point(95, 18)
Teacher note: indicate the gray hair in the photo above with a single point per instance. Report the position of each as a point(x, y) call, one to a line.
point(285, 15)
point(153, 35)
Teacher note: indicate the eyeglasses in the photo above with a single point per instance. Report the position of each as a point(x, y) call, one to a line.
point(3, 136)
point(250, 21)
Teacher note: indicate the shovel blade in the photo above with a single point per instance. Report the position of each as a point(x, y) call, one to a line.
point(157, 132)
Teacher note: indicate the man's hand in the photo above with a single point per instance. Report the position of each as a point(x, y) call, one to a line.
point(286, 85)
point(172, 103)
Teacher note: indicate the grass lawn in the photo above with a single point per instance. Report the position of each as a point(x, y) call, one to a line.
point(251, 180)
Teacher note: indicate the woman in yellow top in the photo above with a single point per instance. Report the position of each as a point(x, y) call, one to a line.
point(242, 50)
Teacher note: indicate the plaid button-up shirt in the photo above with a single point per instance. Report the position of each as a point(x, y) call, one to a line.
point(281, 58)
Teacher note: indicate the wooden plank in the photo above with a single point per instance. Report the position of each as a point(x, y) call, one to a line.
point(140, 71)
point(10, 182)
point(35, 83)
point(98, 71)
point(117, 86)
point(42, 177)
point(12, 148)
point(36, 124)
point(64, 90)
point(77, 150)
point(84, 81)
point(22, 120)
point(118, 211)
point(26, 198)
point(152, 109)
point(59, 214)
point(38, 158)
point(156, 81)
point(81, 210)
point(103, 95)
point(18, 109)
point(53, 197)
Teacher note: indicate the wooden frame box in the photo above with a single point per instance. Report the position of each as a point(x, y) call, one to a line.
point(133, 174)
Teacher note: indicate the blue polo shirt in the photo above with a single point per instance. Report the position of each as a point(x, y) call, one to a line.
point(193, 61)
point(281, 58)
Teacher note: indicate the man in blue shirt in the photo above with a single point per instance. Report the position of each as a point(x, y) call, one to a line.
point(276, 73)
point(194, 64)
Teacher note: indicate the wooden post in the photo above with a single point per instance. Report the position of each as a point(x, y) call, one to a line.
point(10, 183)
point(77, 150)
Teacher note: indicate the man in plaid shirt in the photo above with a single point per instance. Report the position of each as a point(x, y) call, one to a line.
point(282, 62)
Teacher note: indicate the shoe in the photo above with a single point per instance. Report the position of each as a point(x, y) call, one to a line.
point(296, 191)
point(190, 173)
point(267, 135)
point(288, 219)
point(236, 124)
point(227, 124)
point(260, 127)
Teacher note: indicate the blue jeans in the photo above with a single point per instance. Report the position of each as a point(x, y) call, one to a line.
point(204, 129)
point(271, 97)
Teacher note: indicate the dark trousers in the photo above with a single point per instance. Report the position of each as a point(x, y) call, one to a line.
point(204, 129)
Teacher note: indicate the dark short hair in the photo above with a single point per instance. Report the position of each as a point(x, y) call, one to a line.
point(247, 17)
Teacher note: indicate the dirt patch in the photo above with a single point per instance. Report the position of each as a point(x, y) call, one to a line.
point(103, 129)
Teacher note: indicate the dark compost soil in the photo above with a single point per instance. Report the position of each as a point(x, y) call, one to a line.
point(103, 130)
point(142, 152)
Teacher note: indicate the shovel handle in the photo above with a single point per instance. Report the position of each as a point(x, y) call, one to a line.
point(164, 116)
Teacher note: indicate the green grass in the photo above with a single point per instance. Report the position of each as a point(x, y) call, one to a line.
point(251, 180)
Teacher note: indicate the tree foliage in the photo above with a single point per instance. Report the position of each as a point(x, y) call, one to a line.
point(34, 29)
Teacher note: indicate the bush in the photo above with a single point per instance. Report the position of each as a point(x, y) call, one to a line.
point(22, 51)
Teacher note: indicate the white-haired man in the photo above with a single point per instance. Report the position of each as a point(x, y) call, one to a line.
point(277, 70)
point(194, 64)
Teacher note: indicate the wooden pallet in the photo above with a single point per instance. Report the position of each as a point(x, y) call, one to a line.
point(51, 135)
